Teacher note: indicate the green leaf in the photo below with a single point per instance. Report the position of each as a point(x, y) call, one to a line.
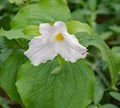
point(106, 53)
point(92, 106)
point(81, 14)
point(8, 74)
point(47, 11)
point(92, 4)
point(72, 88)
point(4, 54)
point(116, 6)
point(15, 34)
point(75, 26)
point(115, 28)
point(109, 106)
point(98, 91)
point(83, 38)
point(106, 35)
point(6, 47)
point(6, 44)
point(57, 70)
point(115, 95)
point(18, 2)
point(32, 30)
point(116, 50)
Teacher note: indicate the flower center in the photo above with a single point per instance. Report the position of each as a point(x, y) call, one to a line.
point(59, 37)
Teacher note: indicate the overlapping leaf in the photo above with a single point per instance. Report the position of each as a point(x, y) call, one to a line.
point(8, 74)
point(106, 53)
point(70, 88)
point(47, 11)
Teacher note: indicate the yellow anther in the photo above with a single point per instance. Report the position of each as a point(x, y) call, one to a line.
point(59, 37)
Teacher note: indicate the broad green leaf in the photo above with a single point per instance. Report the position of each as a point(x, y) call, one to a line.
point(106, 53)
point(109, 106)
point(8, 74)
point(75, 26)
point(115, 95)
point(83, 38)
point(71, 88)
point(15, 34)
point(47, 11)
point(98, 91)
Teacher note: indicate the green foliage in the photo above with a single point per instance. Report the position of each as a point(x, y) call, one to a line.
point(115, 28)
point(116, 51)
point(65, 89)
point(3, 103)
point(109, 106)
point(7, 12)
point(18, 2)
point(115, 95)
point(106, 54)
point(92, 4)
point(76, 26)
point(31, 30)
point(38, 13)
point(12, 63)
point(15, 34)
point(57, 83)
point(98, 91)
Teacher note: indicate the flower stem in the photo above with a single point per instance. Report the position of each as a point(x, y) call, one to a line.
point(60, 60)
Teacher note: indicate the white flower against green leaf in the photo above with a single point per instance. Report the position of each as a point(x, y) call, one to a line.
point(54, 40)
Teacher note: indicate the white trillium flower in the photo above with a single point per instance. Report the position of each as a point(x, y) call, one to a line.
point(54, 40)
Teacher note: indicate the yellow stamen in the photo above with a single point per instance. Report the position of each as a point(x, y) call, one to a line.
point(59, 37)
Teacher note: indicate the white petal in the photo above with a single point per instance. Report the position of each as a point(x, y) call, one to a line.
point(40, 52)
point(60, 26)
point(70, 49)
point(46, 29)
